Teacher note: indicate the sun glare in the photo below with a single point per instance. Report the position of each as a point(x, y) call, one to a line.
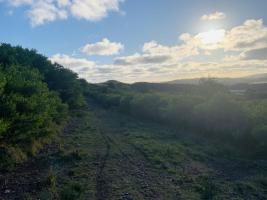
point(212, 37)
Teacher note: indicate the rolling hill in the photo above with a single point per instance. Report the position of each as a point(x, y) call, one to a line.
point(253, 79)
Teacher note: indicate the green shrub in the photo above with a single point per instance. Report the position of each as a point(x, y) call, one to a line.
point(221, 114)
point(29, 113)
point(72, 191)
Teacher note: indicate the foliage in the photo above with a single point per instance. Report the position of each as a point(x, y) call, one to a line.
point(34, 99)
point(57, 78)
point(221, 114)
point(208, 108)
point(30, 114)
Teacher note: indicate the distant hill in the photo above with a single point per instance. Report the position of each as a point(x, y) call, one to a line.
point(255, 82)
point(253, 79)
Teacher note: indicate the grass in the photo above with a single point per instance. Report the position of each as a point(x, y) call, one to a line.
point(162, 155)
point(144, 160)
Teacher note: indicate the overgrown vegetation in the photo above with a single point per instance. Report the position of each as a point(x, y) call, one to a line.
point(34, 102)
point(209, 109)
point(203, 143)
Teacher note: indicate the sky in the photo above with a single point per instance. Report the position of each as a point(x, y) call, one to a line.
point(142, 40)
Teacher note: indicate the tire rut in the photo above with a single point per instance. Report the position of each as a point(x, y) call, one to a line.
point(139, 169)
point(102, 188)
point(125, 171)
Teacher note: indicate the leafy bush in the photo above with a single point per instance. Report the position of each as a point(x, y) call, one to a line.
point(35, 95)
point(29, 113)
point(57, 78)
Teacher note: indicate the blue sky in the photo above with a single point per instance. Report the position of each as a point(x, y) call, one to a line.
point(106, 39)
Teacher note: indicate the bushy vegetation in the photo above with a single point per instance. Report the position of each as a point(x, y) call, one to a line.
point(202, 157)
point(57, 78)
point(34, 102)
point(209, 109)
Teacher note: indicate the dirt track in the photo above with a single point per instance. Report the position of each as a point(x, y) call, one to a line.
point(115, 157)
point(124, 166)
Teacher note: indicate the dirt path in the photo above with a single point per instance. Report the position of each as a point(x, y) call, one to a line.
point(131, 173)
point(101, 180)
point(30, 178)
point(105, 155)
point(124, 172)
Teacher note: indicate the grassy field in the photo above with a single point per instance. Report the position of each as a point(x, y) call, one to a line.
point(103, 154)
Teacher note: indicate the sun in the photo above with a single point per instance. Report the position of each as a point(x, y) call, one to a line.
point(212, 37)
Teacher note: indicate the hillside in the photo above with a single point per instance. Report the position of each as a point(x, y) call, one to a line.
point(63, 138)
point(108, 155)
point(253, 79)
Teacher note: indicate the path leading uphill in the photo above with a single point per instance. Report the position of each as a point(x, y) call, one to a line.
point(105, 155)
point(124, 171)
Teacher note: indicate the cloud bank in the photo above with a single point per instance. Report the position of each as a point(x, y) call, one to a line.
point(43, 11)
point(242, 50)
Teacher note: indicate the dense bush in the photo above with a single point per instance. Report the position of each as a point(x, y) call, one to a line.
point(179, 111)
point(258, 115)
point(208, 108)
point(35, 96)
point(29, 113)
point(57, 78)
point(147, 106)
point(221, 114)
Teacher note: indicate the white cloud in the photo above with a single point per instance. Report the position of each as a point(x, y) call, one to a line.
point(177, 51)
point(241, 50)
point(93, 10)
point(157, 54)
point(250, 35)
point(90, 71)
point(245, 46)
point(63, 3)
point(138, 59)
point(72, 63)
point(214, 16)
point(209, 40)
point(159, 72)
point(103, 48)
point(43, 11)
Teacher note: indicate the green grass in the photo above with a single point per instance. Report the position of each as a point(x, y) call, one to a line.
point(176, 165)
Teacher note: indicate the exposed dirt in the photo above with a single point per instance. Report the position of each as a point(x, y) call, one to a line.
point(104, 154)
point(126, 168)
point(102, 188)
point(27, 178)
point(30, 178)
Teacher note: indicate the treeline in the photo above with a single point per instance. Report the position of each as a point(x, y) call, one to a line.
point(209, 109)
point(35, 100)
